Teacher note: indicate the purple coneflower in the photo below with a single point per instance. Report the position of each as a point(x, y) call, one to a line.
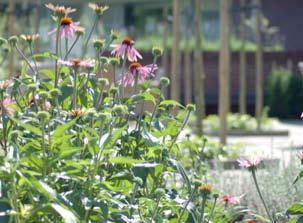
point(142, 73)
point(68, 28)
point(230, 200)
point(7, 106)
point(60, 11)
point(126, 49)
point(249, 163)
point(76, 63)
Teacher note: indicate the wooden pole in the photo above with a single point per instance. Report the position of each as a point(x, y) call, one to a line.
point(199, 72)
point(224, 67)
point(259, 66)
point(165, 58)
point(11, 30)
point(242, 56)
point(174, 91)
point(187, 58)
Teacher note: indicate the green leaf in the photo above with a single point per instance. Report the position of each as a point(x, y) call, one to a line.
point(48, 73)
point(295, 209)
point(181, 170)
point(46, 55)
point(124, 160)
point(171, 102)
point(28, 127)
point(67, 215)
point(60, 130)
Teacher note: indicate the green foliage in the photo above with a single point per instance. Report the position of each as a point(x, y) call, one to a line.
point(284, 94)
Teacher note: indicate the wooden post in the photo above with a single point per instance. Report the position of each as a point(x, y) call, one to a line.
point(11, 30)
point(187, 57)
point(224, 67)
point(199, 72)
point(242, 56)
point(259, 66)
point(174, 90)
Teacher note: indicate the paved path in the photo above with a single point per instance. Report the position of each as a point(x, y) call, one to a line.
point(272, 146)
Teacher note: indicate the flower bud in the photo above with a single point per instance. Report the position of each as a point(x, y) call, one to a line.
point(138, 181)
point(43, 95)
point(113, 35)
point(13, 40)
point(164, 82)
point(43, 116)
point(80, 31)
point(216, 196)
point(99, 43)
point(103, 116)
point(157, 51)
point(32, 87)
point(55, 93)
point(103, 82)
point(205, 189)
point(159, 192)
point(104, 60)
point(114, 61)
point(190, 107)
point(119, 109)
point(76, 112)
point(113, 90)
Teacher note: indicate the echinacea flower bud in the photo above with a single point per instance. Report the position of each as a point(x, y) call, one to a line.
point(2, 41)
point(164, 82)
point(29, 38)
point(32, 87)
point(113, 35)
point(103, 82)
point(55, 92)
point(114, 61)
point(205, 189)
point(113, 90)
point(159, 192)
point(14, 134)
point(138, 181)
point(104, 60)
point(43, 116)
point(190, 107)
point(99, 43)
point(99, 9)
point(119, 109)
point(43, 95)
point(103, 116)
point(197, 183)
point(13, 40)
point(91, 113)
point(157, 51)
point(80, 31)
point(215, 195)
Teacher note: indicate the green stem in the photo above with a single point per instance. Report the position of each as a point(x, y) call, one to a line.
point(35, 61)
point(122, 75)
point(136, 83)
point(89, 36)
point(156, 209)
point(185, 206)
point(182, 127)
point(75, 89)
point(66, 45)
point(260, 195)
point(202, 209)
point(57, 52)
point(3, 124)
point(72, 46)
point(212, 210)
point(26, 60)
point(44, 151)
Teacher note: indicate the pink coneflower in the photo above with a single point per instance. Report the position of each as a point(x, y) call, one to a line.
point(76, 63)
point(126, 49)
point(249, 163)
point(143, 72)
point(7, 106)
point(68, 28)
point(60, 11)
point(230, 200)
